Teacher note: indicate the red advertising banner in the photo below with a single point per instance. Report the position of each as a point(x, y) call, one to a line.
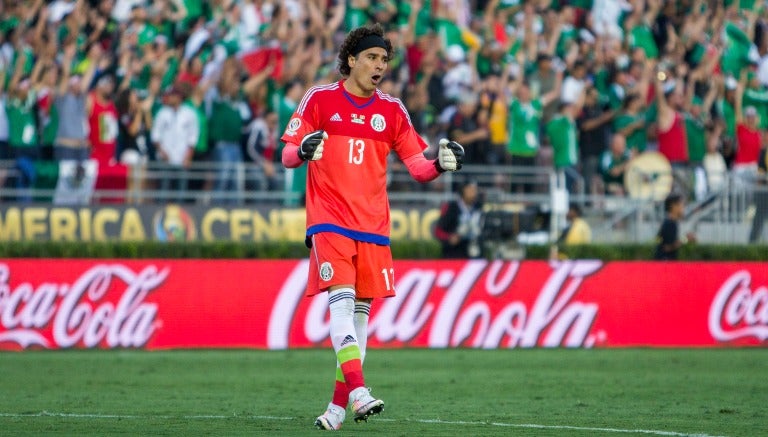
point(161, 304)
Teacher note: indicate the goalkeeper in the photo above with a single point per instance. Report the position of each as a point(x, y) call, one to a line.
point(344, 133)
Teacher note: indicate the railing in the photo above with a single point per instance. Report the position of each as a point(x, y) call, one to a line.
point(252, 184)
point(721, 217)
point(726, 216)
point(143, 184)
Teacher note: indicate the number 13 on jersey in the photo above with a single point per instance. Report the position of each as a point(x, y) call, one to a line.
point(356, 150)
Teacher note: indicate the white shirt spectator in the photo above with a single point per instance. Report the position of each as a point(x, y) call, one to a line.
point(458, 76)
point(6, 56)
point(461, 9)
point(251, 19)
point(58, 9)
point(175, 132)
point(605, 17)
point(3, 119)
point(762, 70)
point(122, 10)
point(295, 9)
point(195, 41)
point(571, 89)
point(716, 170)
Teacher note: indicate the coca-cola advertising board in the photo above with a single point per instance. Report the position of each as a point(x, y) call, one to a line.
point(162, 304)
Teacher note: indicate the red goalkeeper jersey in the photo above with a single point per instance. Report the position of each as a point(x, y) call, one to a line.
point(346, 188)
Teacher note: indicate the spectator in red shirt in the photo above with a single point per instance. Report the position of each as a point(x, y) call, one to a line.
point(748, 138)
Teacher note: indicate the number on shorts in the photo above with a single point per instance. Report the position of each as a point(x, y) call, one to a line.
point(389, 283)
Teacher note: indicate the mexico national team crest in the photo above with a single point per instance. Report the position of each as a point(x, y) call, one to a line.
point(378, 123)
point(326, 271)
point(293, 126)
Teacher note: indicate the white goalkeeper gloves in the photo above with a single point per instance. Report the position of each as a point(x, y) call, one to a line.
point(450, 156)
point(311, 147)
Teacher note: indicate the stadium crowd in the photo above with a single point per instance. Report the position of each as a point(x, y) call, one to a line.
point(578, 85)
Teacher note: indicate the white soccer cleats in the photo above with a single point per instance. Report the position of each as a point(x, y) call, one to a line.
point(363, 404)
point(332, 419)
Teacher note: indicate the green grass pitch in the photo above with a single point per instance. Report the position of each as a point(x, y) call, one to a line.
point(537, 392)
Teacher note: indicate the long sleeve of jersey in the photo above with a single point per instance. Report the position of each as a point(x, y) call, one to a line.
point(421, 168)
point(290, 156)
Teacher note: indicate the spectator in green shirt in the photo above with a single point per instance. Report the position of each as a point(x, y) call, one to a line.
point(630, 123)
point(525, 115)
point(563, 136)
point(228, 115)
point(227, 120)
point(23, 134)
point(613, 165)
point(20, 110)
point(640, 24)
point(756, 95)
point(139, 26)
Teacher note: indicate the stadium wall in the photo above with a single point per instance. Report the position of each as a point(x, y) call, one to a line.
point(178, 304)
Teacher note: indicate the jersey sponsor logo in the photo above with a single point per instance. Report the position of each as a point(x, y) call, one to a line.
point(359, 119)
point(378, 123)
point(326, 271)
point(293, 126)
point(336, 117)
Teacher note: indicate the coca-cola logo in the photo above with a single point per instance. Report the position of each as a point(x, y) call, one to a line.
point(738, 311)
point(80, 314)
point(463, 316)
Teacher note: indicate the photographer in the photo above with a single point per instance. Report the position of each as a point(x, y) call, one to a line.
point(458, 227)
point(668, 239)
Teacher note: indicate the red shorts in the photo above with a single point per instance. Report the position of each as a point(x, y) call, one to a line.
point(339, 260)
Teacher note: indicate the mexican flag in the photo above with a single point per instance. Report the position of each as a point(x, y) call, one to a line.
point(74, 183)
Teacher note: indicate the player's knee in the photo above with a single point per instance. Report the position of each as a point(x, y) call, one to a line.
point(341, 302)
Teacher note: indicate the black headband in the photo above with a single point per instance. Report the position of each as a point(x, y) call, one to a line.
point(368, 42)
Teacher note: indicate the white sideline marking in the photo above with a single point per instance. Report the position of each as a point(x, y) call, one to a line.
point(427, 421)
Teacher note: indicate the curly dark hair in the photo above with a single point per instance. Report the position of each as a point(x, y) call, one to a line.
point(351, 41)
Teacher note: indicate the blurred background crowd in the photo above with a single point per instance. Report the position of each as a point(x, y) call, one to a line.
point(580, 86)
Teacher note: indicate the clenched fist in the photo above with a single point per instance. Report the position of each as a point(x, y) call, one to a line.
point(450, 156)
point(311, 147)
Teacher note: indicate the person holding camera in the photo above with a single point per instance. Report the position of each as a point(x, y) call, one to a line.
point(459, 225)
